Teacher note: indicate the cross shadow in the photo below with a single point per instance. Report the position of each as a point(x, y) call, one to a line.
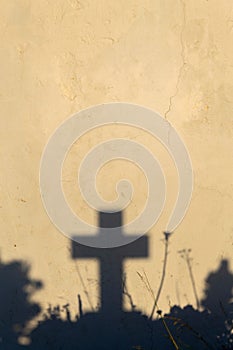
point(112, 326)
point(111, 262)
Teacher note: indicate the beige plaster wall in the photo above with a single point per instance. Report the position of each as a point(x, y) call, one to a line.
point(58, 57)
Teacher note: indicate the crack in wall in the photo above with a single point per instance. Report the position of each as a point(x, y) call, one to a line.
point(182, 60)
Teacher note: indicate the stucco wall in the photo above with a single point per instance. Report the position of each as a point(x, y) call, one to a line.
point(58, 57)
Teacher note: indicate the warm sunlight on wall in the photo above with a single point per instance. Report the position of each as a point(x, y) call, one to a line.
point(174, 57)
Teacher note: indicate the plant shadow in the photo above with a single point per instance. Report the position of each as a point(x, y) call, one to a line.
point(111, 327)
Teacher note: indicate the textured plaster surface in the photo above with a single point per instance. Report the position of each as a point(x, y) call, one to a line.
point(58, 57)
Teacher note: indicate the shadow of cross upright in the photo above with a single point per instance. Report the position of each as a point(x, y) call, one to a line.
point(111, 263)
